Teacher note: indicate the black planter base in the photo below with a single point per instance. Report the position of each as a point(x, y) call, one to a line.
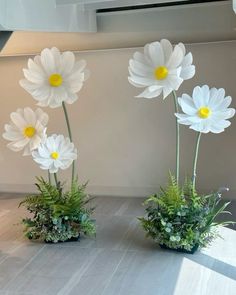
point(73, 239)
point(181, 250)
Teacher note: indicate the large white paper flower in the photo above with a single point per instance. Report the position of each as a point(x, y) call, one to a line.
point(207, 110)
point(57, 152)
point(160, 69)
point(52, 77)
point(26, 130)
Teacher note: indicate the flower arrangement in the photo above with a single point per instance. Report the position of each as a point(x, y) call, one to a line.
point(53, 79)
point(178, 217)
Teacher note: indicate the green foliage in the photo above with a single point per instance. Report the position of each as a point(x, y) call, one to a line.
point(57, 215)
point(180, 218)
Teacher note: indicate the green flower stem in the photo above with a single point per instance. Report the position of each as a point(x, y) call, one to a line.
point(195, 160)
point(177, 138)
point(70, 136)
point(55, 177)
point(49, 177)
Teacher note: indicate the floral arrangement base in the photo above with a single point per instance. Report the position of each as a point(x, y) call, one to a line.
point(73, 239)
point(182, 250)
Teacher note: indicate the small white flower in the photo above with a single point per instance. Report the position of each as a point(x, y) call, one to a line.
point(53, 78)
point(163, 222)
point(207, 110)
point(160, 69)
point(26, 130)
point(57, 152)
point(177, 238)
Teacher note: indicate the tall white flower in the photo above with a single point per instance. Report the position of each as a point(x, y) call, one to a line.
point(26, 130)
point(207, 110)
point(57, 152)
point(161, 69)
point(53, 78)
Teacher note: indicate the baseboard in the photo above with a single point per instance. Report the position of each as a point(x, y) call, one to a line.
point(109, 191)
point(95, 190)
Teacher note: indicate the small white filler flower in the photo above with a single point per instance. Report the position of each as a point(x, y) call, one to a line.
point(207, 110)
point(161, 68)
point(26, 130)
point(54, 77)
point(57, 152)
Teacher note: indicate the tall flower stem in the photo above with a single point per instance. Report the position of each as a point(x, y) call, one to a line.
point(49, 178)
point(56, 181)
point(195, 160)
point(70, 136)
point(177, 138)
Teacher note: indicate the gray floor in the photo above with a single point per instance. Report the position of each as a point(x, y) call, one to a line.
point(120, 261)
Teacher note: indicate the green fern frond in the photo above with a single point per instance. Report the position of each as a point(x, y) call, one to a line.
point(58, 215)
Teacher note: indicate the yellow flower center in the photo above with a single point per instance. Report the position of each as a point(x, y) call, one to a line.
point(55, 80)
point(160, 73)
point(204, 112)
point(54, 155)
point(29, 131)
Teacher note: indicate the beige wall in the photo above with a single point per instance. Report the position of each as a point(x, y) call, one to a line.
point(126, 145)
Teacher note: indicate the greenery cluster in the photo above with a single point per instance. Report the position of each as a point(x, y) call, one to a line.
point(180, 218)
point(57, 215)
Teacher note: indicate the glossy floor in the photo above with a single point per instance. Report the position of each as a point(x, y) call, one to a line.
point(120, 261)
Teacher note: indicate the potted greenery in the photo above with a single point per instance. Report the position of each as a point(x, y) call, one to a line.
point(181, 219)
point(178, 217)
point(59, 214)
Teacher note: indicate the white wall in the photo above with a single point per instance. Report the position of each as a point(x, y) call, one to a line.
point(126, 145)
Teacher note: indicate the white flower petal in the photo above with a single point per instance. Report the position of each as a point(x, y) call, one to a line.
point(187, 104)
point(59, 144)
point(224, 104)
point(198, 97)
point(214, 100)
point(67, 62)
point(166, 91)
point(138, 56)
point(22, 119)
point(18, 120)
point(160, 54)
point(12, 147)
point(156, 54)
point(151, 92)
point(33, 76)
point(27, 85)
point(224, 114)
point(187, 60)
point(57, 58)
point(80, 66)
point(51, 61)
point(174, 82)
point(187, 72)
point(35, 67)
point(29, 116)
point(181, 45)
point(167, 48)
point(141, 81)
point(139, 68)
point(48, 62)
point(42, 117)
point(176, 58)
point(72, 97)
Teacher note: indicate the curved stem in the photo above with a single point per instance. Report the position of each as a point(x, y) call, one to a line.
point(195, 160)
point(70, 136)
point(177, 138)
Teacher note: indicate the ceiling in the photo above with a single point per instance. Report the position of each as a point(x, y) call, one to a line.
point(199, 22)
